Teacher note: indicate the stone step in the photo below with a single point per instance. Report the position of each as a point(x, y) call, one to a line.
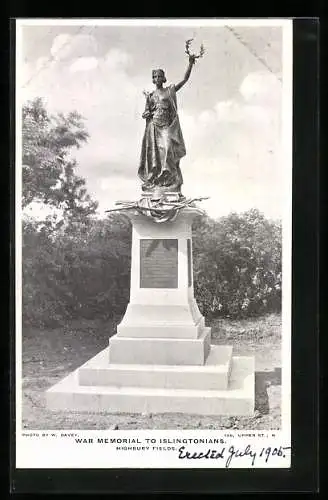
point(164, 321)
point(238, 399)
point(213, 375)
point(160, 351)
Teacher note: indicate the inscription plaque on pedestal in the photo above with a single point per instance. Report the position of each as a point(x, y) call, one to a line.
point(159, 263)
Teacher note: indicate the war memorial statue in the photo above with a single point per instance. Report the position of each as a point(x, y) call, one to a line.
point(163, 144)
point(162, 148)
point(161, 359)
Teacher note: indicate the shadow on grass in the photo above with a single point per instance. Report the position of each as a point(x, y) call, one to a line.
point(263, 380)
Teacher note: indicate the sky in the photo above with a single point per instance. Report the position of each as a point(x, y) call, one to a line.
point(230, 109)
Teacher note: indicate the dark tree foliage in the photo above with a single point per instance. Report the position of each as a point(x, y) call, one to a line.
point(48, 168)
point(237, 265)
point(80, 273)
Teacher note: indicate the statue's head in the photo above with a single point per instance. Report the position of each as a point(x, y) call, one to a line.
point(158, 75)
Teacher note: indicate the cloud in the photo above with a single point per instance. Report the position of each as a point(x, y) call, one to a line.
point(234, 150)
point(83, 64)
point(66, 47)
point(260, 99)
point(41, 62)
point(111, 102)
point(255, 112)
point(229, 111)
point(117, 59)
point(261, 88)
point(60, 41)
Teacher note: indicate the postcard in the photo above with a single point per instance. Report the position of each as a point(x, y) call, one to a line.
point(153, 243)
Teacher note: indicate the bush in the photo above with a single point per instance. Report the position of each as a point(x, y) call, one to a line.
point(81, 271)
point(237, 265)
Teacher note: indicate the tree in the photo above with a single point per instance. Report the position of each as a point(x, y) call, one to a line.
point(72, 196)
point(48, 168)
point(80, 273)
point(237, 264)
point(49, 177)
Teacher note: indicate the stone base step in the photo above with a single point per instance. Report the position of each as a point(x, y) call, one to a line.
point(238, 399)
point(162, 321)
point(160, 351)
point(214, 375)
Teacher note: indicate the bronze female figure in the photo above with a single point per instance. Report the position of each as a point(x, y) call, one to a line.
point(163, 143)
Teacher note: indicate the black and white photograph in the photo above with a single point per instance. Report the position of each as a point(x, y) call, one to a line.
point(153, 221)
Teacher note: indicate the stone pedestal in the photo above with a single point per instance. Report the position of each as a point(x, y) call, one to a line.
point(161, 359)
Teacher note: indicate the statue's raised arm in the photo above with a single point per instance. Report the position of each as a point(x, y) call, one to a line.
point(192, 60)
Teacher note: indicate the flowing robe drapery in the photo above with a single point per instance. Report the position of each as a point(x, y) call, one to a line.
point(163, 144)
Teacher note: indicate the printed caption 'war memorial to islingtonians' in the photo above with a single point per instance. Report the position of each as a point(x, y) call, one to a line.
point(161, 359)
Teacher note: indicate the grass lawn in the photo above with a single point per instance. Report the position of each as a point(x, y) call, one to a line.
point(50, 355)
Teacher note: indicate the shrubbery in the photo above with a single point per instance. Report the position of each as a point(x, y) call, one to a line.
point(83, 271)
point(237, 265)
